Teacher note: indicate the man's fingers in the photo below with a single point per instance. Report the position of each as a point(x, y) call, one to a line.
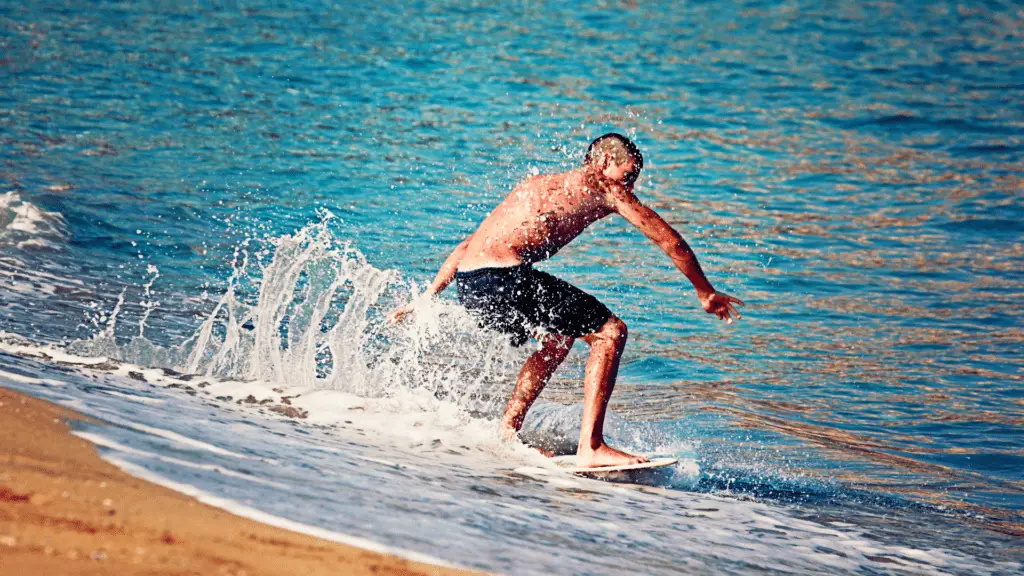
point(724, 309)
point(397, 316)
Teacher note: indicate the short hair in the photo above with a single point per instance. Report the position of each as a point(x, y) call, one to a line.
point(618, 148)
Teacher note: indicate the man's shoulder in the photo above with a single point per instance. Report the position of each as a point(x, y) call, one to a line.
point(540, 177)
point(538, 181)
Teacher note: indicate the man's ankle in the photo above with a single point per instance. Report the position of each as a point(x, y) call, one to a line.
point(507, 431)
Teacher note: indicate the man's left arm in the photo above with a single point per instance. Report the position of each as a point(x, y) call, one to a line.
point(627, 205)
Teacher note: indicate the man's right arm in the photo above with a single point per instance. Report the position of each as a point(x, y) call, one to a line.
point(627, 205)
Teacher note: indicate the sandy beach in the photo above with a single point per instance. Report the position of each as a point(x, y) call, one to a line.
point(64, 510)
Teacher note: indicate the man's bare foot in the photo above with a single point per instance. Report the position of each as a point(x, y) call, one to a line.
point(605, 455)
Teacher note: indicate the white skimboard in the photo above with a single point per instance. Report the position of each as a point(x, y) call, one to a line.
point(568, 463)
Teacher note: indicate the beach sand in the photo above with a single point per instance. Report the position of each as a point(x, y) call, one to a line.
point(64, 510)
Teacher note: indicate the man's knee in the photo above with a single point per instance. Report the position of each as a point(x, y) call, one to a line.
point(613, 330)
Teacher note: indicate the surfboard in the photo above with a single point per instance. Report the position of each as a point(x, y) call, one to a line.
point(568, 463)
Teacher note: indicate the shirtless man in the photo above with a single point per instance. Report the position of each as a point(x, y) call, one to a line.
point(496, 280)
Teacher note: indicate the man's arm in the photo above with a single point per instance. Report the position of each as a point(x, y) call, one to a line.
point(626, 204)
point(441, 281)
point(447, 271)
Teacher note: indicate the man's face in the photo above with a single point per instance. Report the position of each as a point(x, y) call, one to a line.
point(621, 174)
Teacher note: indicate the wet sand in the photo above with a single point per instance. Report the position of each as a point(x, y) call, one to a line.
point(64, 510)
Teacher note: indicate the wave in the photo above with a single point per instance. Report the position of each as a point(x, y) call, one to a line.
point(24, 225)
point(32, 241)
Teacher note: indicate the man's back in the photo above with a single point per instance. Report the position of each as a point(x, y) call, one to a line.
point(538, 218)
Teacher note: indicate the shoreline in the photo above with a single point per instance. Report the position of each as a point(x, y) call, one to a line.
point(64, 509)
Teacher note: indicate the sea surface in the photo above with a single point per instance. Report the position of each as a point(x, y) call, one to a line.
point(206, 212)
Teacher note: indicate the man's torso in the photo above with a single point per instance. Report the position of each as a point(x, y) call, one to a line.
point(535, 221)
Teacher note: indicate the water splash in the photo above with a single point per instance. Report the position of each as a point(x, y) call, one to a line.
point(313, 316)
point(148, 304)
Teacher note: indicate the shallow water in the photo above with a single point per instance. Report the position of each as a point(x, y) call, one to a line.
point(852, 172)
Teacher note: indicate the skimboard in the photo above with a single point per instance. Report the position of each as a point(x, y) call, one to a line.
point(568, 463)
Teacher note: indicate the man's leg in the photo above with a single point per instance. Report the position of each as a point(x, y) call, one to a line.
point(532, 379)
point(606, 347)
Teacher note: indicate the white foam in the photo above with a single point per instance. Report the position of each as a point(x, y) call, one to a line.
point(381, 461)
point(134, 397)
point(183, 440)
point(105, 442)
point(22, 379)
point(15, 267)
point(14, 344)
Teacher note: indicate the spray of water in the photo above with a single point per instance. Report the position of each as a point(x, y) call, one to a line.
point(314, 317)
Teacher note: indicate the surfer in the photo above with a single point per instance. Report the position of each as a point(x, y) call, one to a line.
point(493, 269)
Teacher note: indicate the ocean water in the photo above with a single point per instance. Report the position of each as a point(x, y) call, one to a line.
point(206, 212)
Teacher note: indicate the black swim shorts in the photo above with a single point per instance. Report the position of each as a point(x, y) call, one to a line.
point(519, 299)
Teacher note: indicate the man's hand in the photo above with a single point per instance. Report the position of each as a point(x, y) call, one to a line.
point(399, 314)
point(721, 304)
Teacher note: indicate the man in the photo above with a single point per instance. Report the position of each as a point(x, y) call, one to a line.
point(496, 280)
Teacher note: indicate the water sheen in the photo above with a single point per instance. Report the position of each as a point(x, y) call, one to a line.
point(240, 193)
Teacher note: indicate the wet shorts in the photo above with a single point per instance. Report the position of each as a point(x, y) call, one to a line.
point(519, 299)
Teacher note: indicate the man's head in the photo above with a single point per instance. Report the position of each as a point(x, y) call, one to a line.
point(615, 157)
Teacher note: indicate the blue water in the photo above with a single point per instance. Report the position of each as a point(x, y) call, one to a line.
point(852, 171)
